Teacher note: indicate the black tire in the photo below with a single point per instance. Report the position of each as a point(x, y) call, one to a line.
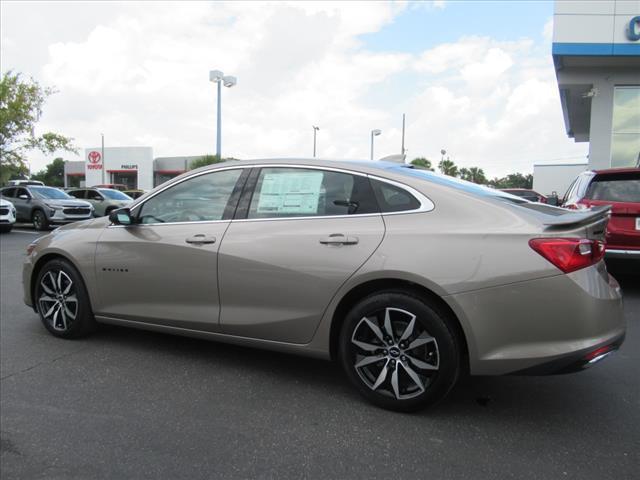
point(109, 210)
point(51, 292)
point(435, 363)
point(5, 228)
point(39, 220)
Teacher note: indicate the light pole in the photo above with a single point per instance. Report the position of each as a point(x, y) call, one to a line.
point(315, 131)
point(102, 154)
point(374, 133)
point(220, 78)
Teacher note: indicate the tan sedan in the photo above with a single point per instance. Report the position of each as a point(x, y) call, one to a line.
point(406, 277)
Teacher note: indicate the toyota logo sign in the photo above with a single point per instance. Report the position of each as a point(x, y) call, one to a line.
point(94, 159)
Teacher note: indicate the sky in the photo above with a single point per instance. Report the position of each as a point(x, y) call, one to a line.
point(473, 78)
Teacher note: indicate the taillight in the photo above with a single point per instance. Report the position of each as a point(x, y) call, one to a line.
point(569, 254)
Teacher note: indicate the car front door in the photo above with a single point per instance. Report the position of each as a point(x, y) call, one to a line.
point(163, 269)
point(95, 198)
point(301, 234)
point(23, 205)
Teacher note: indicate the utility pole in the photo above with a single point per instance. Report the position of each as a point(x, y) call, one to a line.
point(402, 150)
point(315, 131)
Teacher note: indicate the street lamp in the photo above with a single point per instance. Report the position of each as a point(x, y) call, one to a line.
point(374, 133)
point(220, 78)
point(315, 131)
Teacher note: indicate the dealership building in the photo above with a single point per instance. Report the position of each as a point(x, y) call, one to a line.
point(596, 53)
point(134, 167)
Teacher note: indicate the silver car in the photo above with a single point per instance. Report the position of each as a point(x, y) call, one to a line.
point(406, 277)
point(103, 200)
point(46, 206)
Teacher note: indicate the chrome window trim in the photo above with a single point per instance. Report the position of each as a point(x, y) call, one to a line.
point(206, 172)
point(426, 205)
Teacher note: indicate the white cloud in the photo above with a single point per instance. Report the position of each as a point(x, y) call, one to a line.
point(141, 77)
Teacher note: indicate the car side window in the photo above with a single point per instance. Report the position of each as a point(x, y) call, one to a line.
point(197, 199)
point(22, 191)
point(392, 198)
point(283, 192)
point(93, 195)
point(77, 193)
point(9, 192)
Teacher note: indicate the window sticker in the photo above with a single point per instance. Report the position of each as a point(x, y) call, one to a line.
point(290, 193)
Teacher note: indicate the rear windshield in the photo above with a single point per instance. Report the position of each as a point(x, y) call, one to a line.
point(468, 187)
point(615, 188)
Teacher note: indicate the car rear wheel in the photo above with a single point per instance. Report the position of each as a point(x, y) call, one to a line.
point(39, 220)
point(399, 351)
point(62, 300)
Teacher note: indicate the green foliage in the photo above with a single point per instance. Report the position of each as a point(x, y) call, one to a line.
point(513, 180)
point(53, 174)
point(422, 163)
point(21, 103)
point(205, 160)
point(473, 174)
point(447, 167)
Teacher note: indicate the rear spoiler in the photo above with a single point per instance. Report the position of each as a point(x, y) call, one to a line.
point(579, 217)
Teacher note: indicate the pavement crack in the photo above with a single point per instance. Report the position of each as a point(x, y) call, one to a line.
point(44, 362)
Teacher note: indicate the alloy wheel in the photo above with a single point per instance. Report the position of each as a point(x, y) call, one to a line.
point(58, 301)
point(393, 353)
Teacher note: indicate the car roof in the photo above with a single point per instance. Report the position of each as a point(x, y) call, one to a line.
point(359, 165)
point(606, 171)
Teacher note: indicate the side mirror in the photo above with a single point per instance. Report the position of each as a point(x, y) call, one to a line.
point(121, 216)
point(23, 197)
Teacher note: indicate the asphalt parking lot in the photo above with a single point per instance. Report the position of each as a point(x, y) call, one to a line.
point(131, 404)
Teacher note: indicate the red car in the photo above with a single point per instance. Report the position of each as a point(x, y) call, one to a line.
point(620, 188)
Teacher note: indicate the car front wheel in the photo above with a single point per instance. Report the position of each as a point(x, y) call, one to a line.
point(39, 220)
point(62, 300)
point(399, 351)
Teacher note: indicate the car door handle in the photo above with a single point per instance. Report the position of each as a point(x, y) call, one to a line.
point(338, 239)
point(200, 239)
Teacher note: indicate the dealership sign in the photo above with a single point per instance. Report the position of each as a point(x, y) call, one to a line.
point(633, 31)
point(94, 160)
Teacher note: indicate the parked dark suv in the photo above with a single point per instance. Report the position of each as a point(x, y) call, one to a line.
point(620, 188)
point(44, 206)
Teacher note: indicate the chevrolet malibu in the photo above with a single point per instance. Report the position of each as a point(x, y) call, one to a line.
point(406, 277)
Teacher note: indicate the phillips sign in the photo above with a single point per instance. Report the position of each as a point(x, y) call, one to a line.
point(94, 160)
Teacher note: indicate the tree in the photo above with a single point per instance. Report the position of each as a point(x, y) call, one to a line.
point(473, 174)
point(448, 167)
point(513, 180)
point(422, 163)
point(21, 103)
point(53, 174)
point(205, 160)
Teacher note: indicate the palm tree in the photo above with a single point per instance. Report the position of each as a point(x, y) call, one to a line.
point(476, 175)
point(448, 167)
point(422, 163)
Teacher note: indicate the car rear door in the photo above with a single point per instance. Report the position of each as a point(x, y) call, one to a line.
point(298, 235)
point(163, 270)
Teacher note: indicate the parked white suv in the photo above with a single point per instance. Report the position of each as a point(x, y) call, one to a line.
point(7, 215)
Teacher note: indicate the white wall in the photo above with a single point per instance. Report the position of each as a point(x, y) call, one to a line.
point(138, 159)
point(593, 21)
point(555, 178)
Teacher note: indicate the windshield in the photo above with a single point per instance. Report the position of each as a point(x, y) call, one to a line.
point(49, 193)
point(615, 188)
point(114, 194)
point(458, 184)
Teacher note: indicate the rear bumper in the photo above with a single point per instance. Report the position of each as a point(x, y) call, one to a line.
point(622, 253)
point(546, 324)
point(575, 362)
